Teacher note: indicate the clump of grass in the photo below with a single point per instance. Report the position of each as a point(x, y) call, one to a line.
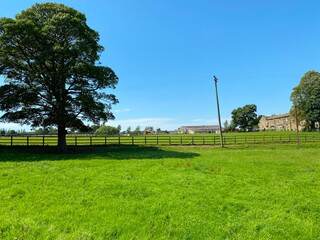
point(215, 170)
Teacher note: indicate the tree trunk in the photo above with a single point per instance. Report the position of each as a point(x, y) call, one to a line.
point(62, 143)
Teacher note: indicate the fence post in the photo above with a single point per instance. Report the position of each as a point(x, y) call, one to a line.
point(235, 140)
point(119, 141)
point(43, 140)
point(169, 140)
point(145, 140)
point(75, 140)
point(254, 139)
point(245, 139)
point(27, 140)
point(192, 140)
point(105, 140)
point(132, 140)
point(11, 140)
point(181, 140)
point(157, 140)
point(90, 140)
point(214, 140)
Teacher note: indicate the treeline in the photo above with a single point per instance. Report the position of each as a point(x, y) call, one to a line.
point(10, 132)
point(39, 131)
point(90, 130)
point(109, 130)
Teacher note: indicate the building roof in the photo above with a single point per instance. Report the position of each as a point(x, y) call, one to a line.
point(200, 127)
point(277, 116)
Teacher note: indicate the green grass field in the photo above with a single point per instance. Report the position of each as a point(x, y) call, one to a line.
point(131, 192)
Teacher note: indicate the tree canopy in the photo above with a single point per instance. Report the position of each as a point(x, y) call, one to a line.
point(245, 117)
point(49, 58)
point(305, 98)
point(106, 131)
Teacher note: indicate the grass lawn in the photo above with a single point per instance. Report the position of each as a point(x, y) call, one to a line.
point(130, 192)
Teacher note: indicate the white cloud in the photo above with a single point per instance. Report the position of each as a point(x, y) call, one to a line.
point(14, 126)
point(163, 123)
point(121, 110)
point(209, 121)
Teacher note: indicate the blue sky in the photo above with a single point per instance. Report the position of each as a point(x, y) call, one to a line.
point(165, 53)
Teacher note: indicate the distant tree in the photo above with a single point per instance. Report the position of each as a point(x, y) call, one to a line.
point(106, 131)
point(45, 131)
point(10, 132)
point(128, 131)
point(149, 129)
point(232, 126)
point(2, 132)
point(50, 59)
point(119, 128)
point(93, 128)
point(305, 98)
point(41, 131)
point(226, 125)
point(297, 114)
point(137, 131)
point(21, 132)
point(52, 130)
point(229, 126)
point(245, 117)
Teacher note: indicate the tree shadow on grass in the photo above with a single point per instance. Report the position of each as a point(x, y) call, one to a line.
point(35, 153)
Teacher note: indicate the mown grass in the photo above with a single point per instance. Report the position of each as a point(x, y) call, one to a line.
point(127, 192)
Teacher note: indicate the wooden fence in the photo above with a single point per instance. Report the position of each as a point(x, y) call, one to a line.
point(156, 140)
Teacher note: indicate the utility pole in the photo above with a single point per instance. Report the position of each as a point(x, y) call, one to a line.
point(217, 98)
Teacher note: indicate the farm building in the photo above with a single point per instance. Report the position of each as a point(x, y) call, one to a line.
point(198, 129)
point(281, 122)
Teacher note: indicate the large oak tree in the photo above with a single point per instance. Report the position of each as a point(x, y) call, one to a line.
point(245, 117)
point(49, 58)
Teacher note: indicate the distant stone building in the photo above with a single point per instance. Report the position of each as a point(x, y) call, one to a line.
point(282, 122)
point(198, 129)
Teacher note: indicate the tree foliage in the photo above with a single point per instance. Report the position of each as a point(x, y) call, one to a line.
point(228, 127)
point(128, 131)
point(305, 98)
point(106, 131)
point(245, 117)
point(4, 132)
point(49, 57)
point(45, 131)
point(149, 129)
point(137, 131)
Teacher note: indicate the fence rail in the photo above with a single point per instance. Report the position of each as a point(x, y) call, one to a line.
point(155, 140)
